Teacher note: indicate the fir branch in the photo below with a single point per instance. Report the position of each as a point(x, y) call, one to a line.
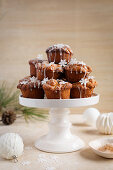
point(7, 96)
point(9, 99)
point(29, 113)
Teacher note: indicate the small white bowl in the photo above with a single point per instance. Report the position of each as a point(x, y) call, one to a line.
point(96, 144)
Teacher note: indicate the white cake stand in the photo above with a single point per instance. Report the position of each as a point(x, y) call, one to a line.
point(59, 139)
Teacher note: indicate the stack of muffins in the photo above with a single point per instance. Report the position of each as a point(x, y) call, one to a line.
point(59, 77)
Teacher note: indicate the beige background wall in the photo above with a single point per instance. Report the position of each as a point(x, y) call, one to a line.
point(28, 27)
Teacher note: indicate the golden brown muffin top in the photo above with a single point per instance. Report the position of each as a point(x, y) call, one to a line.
point(85, 83)
point(50, 66)
point(78, 66)
point(29, 82)
point(36, 60)
point(60, 47)
point(55, 85)
point(39, 59)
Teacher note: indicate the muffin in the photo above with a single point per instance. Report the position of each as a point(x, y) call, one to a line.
point(50, 70)
point(31, 88)
point(33, 65)
point(76, 70)
point(57, 89)
point(59, 52)
point(84, 88)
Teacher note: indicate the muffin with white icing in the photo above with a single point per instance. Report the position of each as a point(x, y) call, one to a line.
point(84, 88)
point(33, 64)
point(49, 71)
point(57, 89)
point(76, 70)
point(31, 88)
point(59, 52)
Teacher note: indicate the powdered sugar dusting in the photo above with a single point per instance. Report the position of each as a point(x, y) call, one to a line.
point(62, 82)
point(84, 81)
point(49, 162)
point(81, 63)
point(91, 77)
point(40, 57)
point(26, 163)
point(28, 148)
point(24, 82)
point(44, 81)
point(33, 79)
point(63, 63)
point(55, 162)
point(73, 61)
point(50, 168)
point(60, 46)
point(50, 64)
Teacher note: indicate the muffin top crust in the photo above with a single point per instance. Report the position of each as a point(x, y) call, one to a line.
point(50, 66)
point(29, 82)
point(39, 59)
point(55, 85)
point(78, 66)
point(84, 83)
point(60, 47)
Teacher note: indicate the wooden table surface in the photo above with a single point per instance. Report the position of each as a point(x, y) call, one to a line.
point(33, 159)
point(28, 27)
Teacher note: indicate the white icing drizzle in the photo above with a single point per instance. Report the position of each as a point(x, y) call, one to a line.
point(80, 91)
point(60, 47)
point(55, 57)
point(63, 63)
point(33, 80)
point(73, 61)
point(36, 65)
point(39, 83)
point(44, 72)
point(44, 80)
point(81, 63)
point(50, 64)
point(24, 82)
point(90, 77)
point(40, 57)
point(62, 82)
point(84, 81)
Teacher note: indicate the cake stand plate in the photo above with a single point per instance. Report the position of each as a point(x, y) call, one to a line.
point(59, 138)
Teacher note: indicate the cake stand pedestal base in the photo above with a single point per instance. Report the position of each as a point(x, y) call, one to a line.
point(59, 139)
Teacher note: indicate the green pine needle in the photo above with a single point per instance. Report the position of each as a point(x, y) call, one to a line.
point(7, 96)
point(30, 113)
point(9, 100)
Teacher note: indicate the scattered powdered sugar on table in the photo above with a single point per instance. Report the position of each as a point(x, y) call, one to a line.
point(28, 147)
point(50, 168)
point(49, 162)
point(54, 162)
point(26, 163)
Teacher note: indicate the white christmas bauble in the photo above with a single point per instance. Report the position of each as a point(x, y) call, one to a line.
point(104, 123)
point(90, 116)
point(11, 144)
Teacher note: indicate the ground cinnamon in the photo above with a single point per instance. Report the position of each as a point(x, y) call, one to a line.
point(106, 147)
